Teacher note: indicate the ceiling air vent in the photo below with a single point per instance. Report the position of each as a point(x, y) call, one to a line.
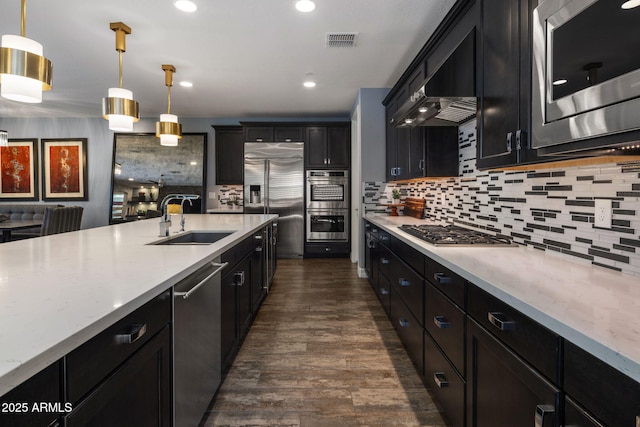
point(341, 39)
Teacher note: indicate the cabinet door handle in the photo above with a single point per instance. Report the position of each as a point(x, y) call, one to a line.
point(403, 322)
point(137, 331)
point(329, 161)
point(509, 142)
point(440, 379)
point(441, 279)
point(520, 138)
point(544, 413)
point(398, 171)
point(258, 139)
point(384, 291)
point(421, 165)
point(218, 269)
point(441, 322)
point(501, 321)
point(238, 278)
point(404, 282)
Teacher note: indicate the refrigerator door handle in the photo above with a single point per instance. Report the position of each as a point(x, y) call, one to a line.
point(266, 186)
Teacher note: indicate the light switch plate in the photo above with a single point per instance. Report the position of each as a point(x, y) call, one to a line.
point(602, 213)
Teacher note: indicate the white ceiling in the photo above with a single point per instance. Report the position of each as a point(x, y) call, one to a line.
point(246, 58)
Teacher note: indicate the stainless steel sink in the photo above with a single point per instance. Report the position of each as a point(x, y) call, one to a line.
point(194, 238)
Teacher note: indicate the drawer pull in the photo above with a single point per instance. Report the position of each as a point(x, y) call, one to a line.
point(441, 278)
point(441, 322)
point(440, 379)
point(403, 322)
point(404, 282)
point(137, 331)
point(501, 321)
point(384, 291)
point(544, 415)
point(238, 278)
point(384, 261)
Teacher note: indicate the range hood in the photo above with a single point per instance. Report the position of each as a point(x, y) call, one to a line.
point(448, 96)
point(424, 110)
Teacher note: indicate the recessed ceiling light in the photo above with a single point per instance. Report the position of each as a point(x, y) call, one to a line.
point(186, 84)
point(185, 5)
point(630, 4)
point(559, 82)
point(309, 84)
point(305, 6)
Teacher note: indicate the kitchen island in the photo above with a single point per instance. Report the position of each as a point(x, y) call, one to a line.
point(57, 292)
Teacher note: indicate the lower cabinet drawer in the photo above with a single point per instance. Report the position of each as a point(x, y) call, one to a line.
point(610, 396)
point(384, 293)
point(445, 323)
point(445, 384)
point(90, 363)
point(532, 341)
point(136, 394)
point(410, 287)
point(409, 330)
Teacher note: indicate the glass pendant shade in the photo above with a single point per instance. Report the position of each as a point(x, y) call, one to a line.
point(120, 109)
point(24, 71)
point(168, 130)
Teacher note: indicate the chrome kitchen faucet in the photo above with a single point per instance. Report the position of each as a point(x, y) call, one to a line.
point(165, 219)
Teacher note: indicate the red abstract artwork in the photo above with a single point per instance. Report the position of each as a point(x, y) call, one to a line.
point(15, 166)
point(64, 163)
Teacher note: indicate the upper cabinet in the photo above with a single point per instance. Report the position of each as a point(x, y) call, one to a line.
point(504, 76)
point(328, 147)
point(404, 146)
point(229, 155)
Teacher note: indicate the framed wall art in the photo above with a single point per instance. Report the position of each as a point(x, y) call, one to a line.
point(64, 169)
point(19, 170)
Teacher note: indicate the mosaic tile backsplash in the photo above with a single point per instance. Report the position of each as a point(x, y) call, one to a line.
point(552, 210)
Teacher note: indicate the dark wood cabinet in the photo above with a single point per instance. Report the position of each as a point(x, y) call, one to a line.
point(44, 387)
point(288, 133)
point(404, 146)
point(607, 395)
point(229, 155)
point(504, 67)
point(502, 389)
point(138, 393)
point(258, 133)
point(328, 147)
point(445, 383)
point(235, 307)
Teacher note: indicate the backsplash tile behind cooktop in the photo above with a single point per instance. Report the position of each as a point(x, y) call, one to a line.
point(549, 209)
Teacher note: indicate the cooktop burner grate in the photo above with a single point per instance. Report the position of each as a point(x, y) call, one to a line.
point(454, 235)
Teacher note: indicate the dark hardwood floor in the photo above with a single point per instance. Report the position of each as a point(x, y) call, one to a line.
point(322, 352)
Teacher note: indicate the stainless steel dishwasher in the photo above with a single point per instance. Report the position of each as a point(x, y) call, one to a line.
point(196, 343)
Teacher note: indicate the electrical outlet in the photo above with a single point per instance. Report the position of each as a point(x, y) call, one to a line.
point(603, 213)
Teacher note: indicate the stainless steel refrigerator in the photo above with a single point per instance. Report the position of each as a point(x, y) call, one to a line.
point(274, 184)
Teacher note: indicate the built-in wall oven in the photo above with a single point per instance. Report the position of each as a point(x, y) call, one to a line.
point(327, 189)
point(586, 74)
point(327, 225)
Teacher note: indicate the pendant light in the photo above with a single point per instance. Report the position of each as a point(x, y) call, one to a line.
point(119, 107)
point(168, 129)
point(4, 138)
point(24, 72)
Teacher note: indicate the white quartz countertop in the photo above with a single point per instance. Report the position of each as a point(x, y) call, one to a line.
point(595, 308)
point(57, 292)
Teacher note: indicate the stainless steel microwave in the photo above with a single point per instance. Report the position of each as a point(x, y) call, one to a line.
point(585, 70)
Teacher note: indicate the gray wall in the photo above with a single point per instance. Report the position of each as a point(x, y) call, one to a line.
point(372, 134)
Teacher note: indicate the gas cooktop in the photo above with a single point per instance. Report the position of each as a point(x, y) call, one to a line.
point(454, 235)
